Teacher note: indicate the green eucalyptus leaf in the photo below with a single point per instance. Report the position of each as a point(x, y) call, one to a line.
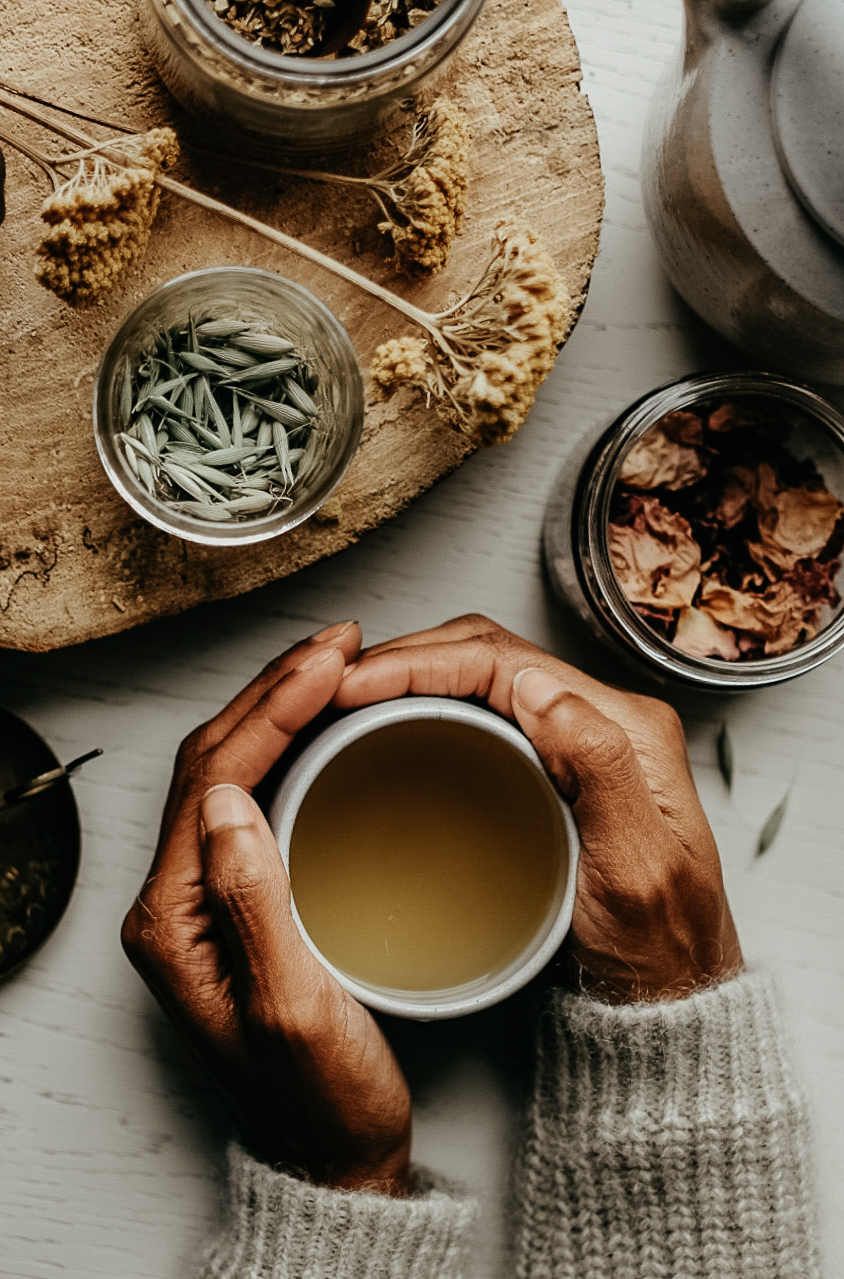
point(771, 828)
point(724, 747)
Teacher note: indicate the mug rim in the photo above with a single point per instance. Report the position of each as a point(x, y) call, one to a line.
point(481, 992)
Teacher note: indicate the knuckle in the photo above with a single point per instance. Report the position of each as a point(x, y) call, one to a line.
point(192, 747)
point(661, 717)
point(605, 745)
point(477, 622)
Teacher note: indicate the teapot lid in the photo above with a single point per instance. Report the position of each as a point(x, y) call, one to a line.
point(808, 110)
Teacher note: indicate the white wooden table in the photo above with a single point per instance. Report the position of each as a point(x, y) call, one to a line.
point(109, 1142)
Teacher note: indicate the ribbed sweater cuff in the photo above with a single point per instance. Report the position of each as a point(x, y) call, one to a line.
point(279, 1227)
point(666, 1141)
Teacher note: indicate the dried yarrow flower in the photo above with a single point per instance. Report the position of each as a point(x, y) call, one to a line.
point(488, 354)
point(485, 356)
point(100, 220)
point(422, 195)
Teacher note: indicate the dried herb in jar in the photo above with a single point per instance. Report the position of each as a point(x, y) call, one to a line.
point(309, 27)
point(219, 420)
point(722, 539)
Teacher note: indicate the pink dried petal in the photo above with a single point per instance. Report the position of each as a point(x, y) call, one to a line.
point(658, 564)
point(700, 635)
point(778, 615)
point(660, 460)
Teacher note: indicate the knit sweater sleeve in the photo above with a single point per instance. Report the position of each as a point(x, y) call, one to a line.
point(666, 1140)
point(279, 1227)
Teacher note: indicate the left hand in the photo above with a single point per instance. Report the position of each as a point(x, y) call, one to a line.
point(305, 1068)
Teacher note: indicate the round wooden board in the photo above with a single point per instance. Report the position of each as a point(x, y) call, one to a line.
point(75, 562)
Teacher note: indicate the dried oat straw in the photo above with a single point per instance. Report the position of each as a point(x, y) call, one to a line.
point(219, 420)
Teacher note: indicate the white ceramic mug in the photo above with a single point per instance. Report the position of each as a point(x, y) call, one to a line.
point(553, 916)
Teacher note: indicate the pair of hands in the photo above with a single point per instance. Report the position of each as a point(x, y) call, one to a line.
point(306, 1069)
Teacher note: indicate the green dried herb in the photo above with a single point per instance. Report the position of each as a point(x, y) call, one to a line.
point(724, 749)
point(198, 439)
point(771, 828)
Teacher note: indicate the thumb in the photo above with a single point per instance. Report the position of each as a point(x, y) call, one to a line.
point(248, 892)
point(590, 757)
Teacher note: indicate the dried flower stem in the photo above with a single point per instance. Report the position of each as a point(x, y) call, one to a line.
point(36, 157)
point(489, 351)
point(111, 151)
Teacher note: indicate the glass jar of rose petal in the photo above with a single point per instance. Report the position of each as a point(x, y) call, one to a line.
point(702, 538)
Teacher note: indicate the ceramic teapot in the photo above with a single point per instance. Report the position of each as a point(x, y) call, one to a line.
point(743, 178)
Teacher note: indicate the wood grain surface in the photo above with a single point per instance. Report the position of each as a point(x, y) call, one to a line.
point(75, 560)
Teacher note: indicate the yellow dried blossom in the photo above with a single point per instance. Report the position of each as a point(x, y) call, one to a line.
point(488, 355)
point(100, 221)
point(423, 198)
point(400, 360)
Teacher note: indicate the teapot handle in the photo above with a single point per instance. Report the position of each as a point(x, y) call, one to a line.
point(706, 18)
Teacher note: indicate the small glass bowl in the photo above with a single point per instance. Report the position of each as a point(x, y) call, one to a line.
point(260, 100)
point(576, 543)
point(287, 310)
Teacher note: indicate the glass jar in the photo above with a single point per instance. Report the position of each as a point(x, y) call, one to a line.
point(576, 539)
point(277, 306)
point(257, 98)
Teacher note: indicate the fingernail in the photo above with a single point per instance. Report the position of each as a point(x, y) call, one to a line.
point(534, 689)
point(227, 805)
point(332, 632)
point(318, 658)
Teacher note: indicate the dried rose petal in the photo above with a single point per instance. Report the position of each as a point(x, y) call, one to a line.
point(730, 505)
point(700, 635)
point(662, 458)
point(739, 487)
point(778, 615)
point(656, 560)
point(801, 521)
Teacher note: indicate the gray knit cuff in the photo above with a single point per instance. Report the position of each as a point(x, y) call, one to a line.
point(666, 1139)
point(279, 1227)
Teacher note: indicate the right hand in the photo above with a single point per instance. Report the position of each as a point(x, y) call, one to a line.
point(651, 919)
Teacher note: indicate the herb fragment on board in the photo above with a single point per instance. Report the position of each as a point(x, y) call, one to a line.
point(724, 540)
point(100, 220)
point(2, 186)
point(219, 420)
point(772, 825)
point(488, 354)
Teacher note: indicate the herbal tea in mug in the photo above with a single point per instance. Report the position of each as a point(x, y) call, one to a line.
point(430, 858)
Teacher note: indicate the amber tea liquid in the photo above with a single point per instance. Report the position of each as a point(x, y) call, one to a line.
point(425, 855)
